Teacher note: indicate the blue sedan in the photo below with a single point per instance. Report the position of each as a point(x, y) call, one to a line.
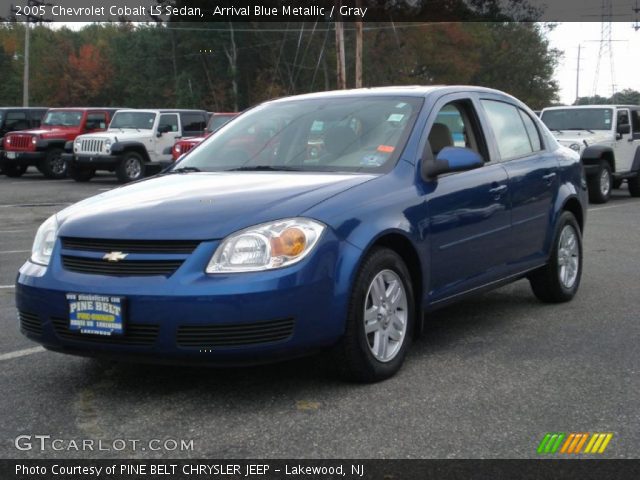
point(252, 248)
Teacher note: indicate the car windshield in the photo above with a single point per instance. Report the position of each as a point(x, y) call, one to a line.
point(346, 134)
point(217, 121)
point(1, 117)
point(137, 120)
point(578, 119)
point(63, 118)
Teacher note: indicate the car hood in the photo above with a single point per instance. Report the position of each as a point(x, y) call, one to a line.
point(200, 206)
point(47, 131)
point(568, 137)
point(124, 135)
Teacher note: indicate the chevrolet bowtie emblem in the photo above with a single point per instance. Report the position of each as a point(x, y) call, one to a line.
point(115, 256)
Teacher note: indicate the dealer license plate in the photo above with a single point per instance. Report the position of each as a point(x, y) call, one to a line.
point(96, 314)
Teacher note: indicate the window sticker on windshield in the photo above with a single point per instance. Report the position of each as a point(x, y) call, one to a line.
point(395, 117)
point(372, 160)
point(401, 105)
point(607, 121)
point(385, 149)
point(317, 125)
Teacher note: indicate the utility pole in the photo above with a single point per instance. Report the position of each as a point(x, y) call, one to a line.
point(358, 29)
point(578, 77)
point(25, 76)
point(27, 34)
point(340, 59)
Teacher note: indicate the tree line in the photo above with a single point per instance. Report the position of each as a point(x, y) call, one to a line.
point(231, 66)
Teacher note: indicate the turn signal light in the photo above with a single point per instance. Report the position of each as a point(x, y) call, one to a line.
point(291, 243)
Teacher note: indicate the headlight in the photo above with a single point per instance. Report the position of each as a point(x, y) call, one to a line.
point(44, 241)
point(267, 246)
point(575, 146)
point(107, 142)
point(34, 140)
point(176, 147)
point(8, 141)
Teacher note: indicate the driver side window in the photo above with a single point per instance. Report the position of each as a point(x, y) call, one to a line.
point(168, 123)
point(456, 125)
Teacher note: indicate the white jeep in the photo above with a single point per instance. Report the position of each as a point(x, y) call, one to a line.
point(137, 142)
point(608, 140)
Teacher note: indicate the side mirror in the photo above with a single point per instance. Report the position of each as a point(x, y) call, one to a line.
point(450, 159)
point(624, 128)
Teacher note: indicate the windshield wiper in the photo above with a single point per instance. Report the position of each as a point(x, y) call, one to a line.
point(183, 170)
point(581, 128)
point(264, 168)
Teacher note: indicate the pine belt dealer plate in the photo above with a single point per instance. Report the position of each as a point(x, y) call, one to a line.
point(96, 314)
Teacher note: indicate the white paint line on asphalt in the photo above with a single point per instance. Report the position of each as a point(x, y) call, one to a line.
point(15, 251)
point(611, 206)
point(15, 231)
point(21, 353)
point(6, 287)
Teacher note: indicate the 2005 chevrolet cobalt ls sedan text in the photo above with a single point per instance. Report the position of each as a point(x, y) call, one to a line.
point(330, 220)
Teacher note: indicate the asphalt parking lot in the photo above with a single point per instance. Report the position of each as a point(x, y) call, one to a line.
point(490, 377)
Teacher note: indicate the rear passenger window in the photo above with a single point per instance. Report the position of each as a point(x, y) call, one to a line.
point(193, 122)
point(532, 131)
point(96, 121)
point(511, 135)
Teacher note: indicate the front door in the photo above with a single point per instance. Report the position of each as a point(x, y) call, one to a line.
point(167, 133)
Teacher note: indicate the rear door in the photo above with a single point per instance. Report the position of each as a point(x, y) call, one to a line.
point(469, 217)
point(533, 179)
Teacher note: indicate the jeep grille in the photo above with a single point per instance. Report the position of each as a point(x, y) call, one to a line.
point(91, 145)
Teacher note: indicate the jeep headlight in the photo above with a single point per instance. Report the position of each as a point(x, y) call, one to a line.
point(266, 246)
point(107, 145)
point(44, 242)
point(575, 147)
point(76, 145)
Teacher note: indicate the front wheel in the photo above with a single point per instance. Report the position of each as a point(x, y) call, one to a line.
point(14, 171)
point(600, 184)
point(131, 167)
point(559, 279)
point(53, 165)
point(380, 319)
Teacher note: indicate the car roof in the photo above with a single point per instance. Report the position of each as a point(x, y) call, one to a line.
point(590, 106)
point(24, 108)
point(407, 91)
point(162, 110)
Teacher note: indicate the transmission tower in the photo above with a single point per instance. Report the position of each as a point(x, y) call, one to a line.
point(606, 48)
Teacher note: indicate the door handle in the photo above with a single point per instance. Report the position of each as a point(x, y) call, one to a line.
point(549, 178)
point(497, 191)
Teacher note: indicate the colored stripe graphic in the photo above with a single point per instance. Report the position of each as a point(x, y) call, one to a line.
point(574, 443)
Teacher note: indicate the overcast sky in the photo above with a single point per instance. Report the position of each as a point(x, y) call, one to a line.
point(626, 58)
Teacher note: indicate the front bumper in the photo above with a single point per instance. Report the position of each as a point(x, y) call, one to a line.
point(165, 316)
point(9, 157)
point(108, 162)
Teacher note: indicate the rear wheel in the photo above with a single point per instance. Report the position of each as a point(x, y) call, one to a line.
point(53, 165)
point(600, 184)
point(380, 319)
point(558, 281)
point(14, 171)
point(634, 185)
point(131, 167)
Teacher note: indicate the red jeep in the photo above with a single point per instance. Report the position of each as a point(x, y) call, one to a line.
point(216, 121)
point(43, 147)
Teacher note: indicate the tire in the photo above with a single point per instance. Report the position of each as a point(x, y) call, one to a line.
point(130, 168)
point(14, 171)
point(559, 280)
point(362, 356)
point(634, 185)
point(81, 174)
point(617, 183)
point(53, 166)
point(600, 184)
